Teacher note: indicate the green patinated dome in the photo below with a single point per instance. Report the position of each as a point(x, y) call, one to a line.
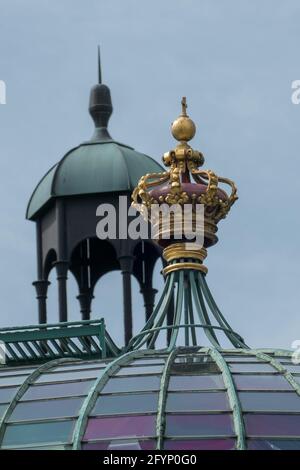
point(100, 165)
point(91, 168)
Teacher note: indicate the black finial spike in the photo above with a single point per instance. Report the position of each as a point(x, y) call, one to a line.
point(100, 107)
point(99, 67)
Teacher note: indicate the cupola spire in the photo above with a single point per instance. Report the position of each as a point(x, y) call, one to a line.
point(100, 107)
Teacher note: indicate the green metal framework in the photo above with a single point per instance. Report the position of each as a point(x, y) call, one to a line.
point(193, 300)
point(31, 378)
point(190, 355)
point(39, 343)
point(99, 384)
point(160, 420)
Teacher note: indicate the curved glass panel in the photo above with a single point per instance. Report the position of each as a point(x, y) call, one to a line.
point(130, 444)
point(240, 358)
point(131, 403)
point(277, 444)
point(16, 371)
point(148, 362)
point(248, 367)
point(132, 384)
point(78, 366)
point(272, 425)
point(196, 382)
point(33, 410)
point(140, 370)
point(34, 433)
point(199, 425)
point(193, 401)
point(12, 380)
point(204, 444)
point(124, 426)
point(2, 409)
point(261, 382)
point(6, 394)
point(70, 375)
point(273, 401)
point(295, 369)
point(66, 389)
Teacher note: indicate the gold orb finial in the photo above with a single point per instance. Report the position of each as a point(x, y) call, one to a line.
point(183, 128)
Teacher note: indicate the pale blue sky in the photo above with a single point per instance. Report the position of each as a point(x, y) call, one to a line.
point(235, 61)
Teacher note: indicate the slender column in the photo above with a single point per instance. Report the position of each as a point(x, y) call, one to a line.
point(85, 300)
point(126, 264)
point(41, 288)
point(62, 271)
point(85, 293)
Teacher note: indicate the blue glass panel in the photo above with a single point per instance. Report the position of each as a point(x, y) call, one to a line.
point(261, 382)
point(196, 382)
point(45, 409)
point(130, 384)
point(34, 433)
point(6, 394)
point(66, 389)
point(248, 367)
point(184, 401)
point(273, 401)
point(140, 370)
point(70, 375)
point(126, 403)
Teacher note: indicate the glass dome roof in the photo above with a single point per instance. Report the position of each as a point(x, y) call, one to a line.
point(192, 398)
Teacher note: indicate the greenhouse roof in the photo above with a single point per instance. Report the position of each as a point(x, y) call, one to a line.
point(190, 398)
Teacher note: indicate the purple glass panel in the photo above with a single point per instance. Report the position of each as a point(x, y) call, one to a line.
point(204, 444)
point(261, 382)
point(274, 444)
point(67, 389)
point(196, 382)
point(132, 384)
point(122, 426)
point(272, 425)
point(273, 401)
point(131, 444)
point(199, 425)
point(193, 401)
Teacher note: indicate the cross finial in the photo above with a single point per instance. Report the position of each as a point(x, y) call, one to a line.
point(184, 106)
